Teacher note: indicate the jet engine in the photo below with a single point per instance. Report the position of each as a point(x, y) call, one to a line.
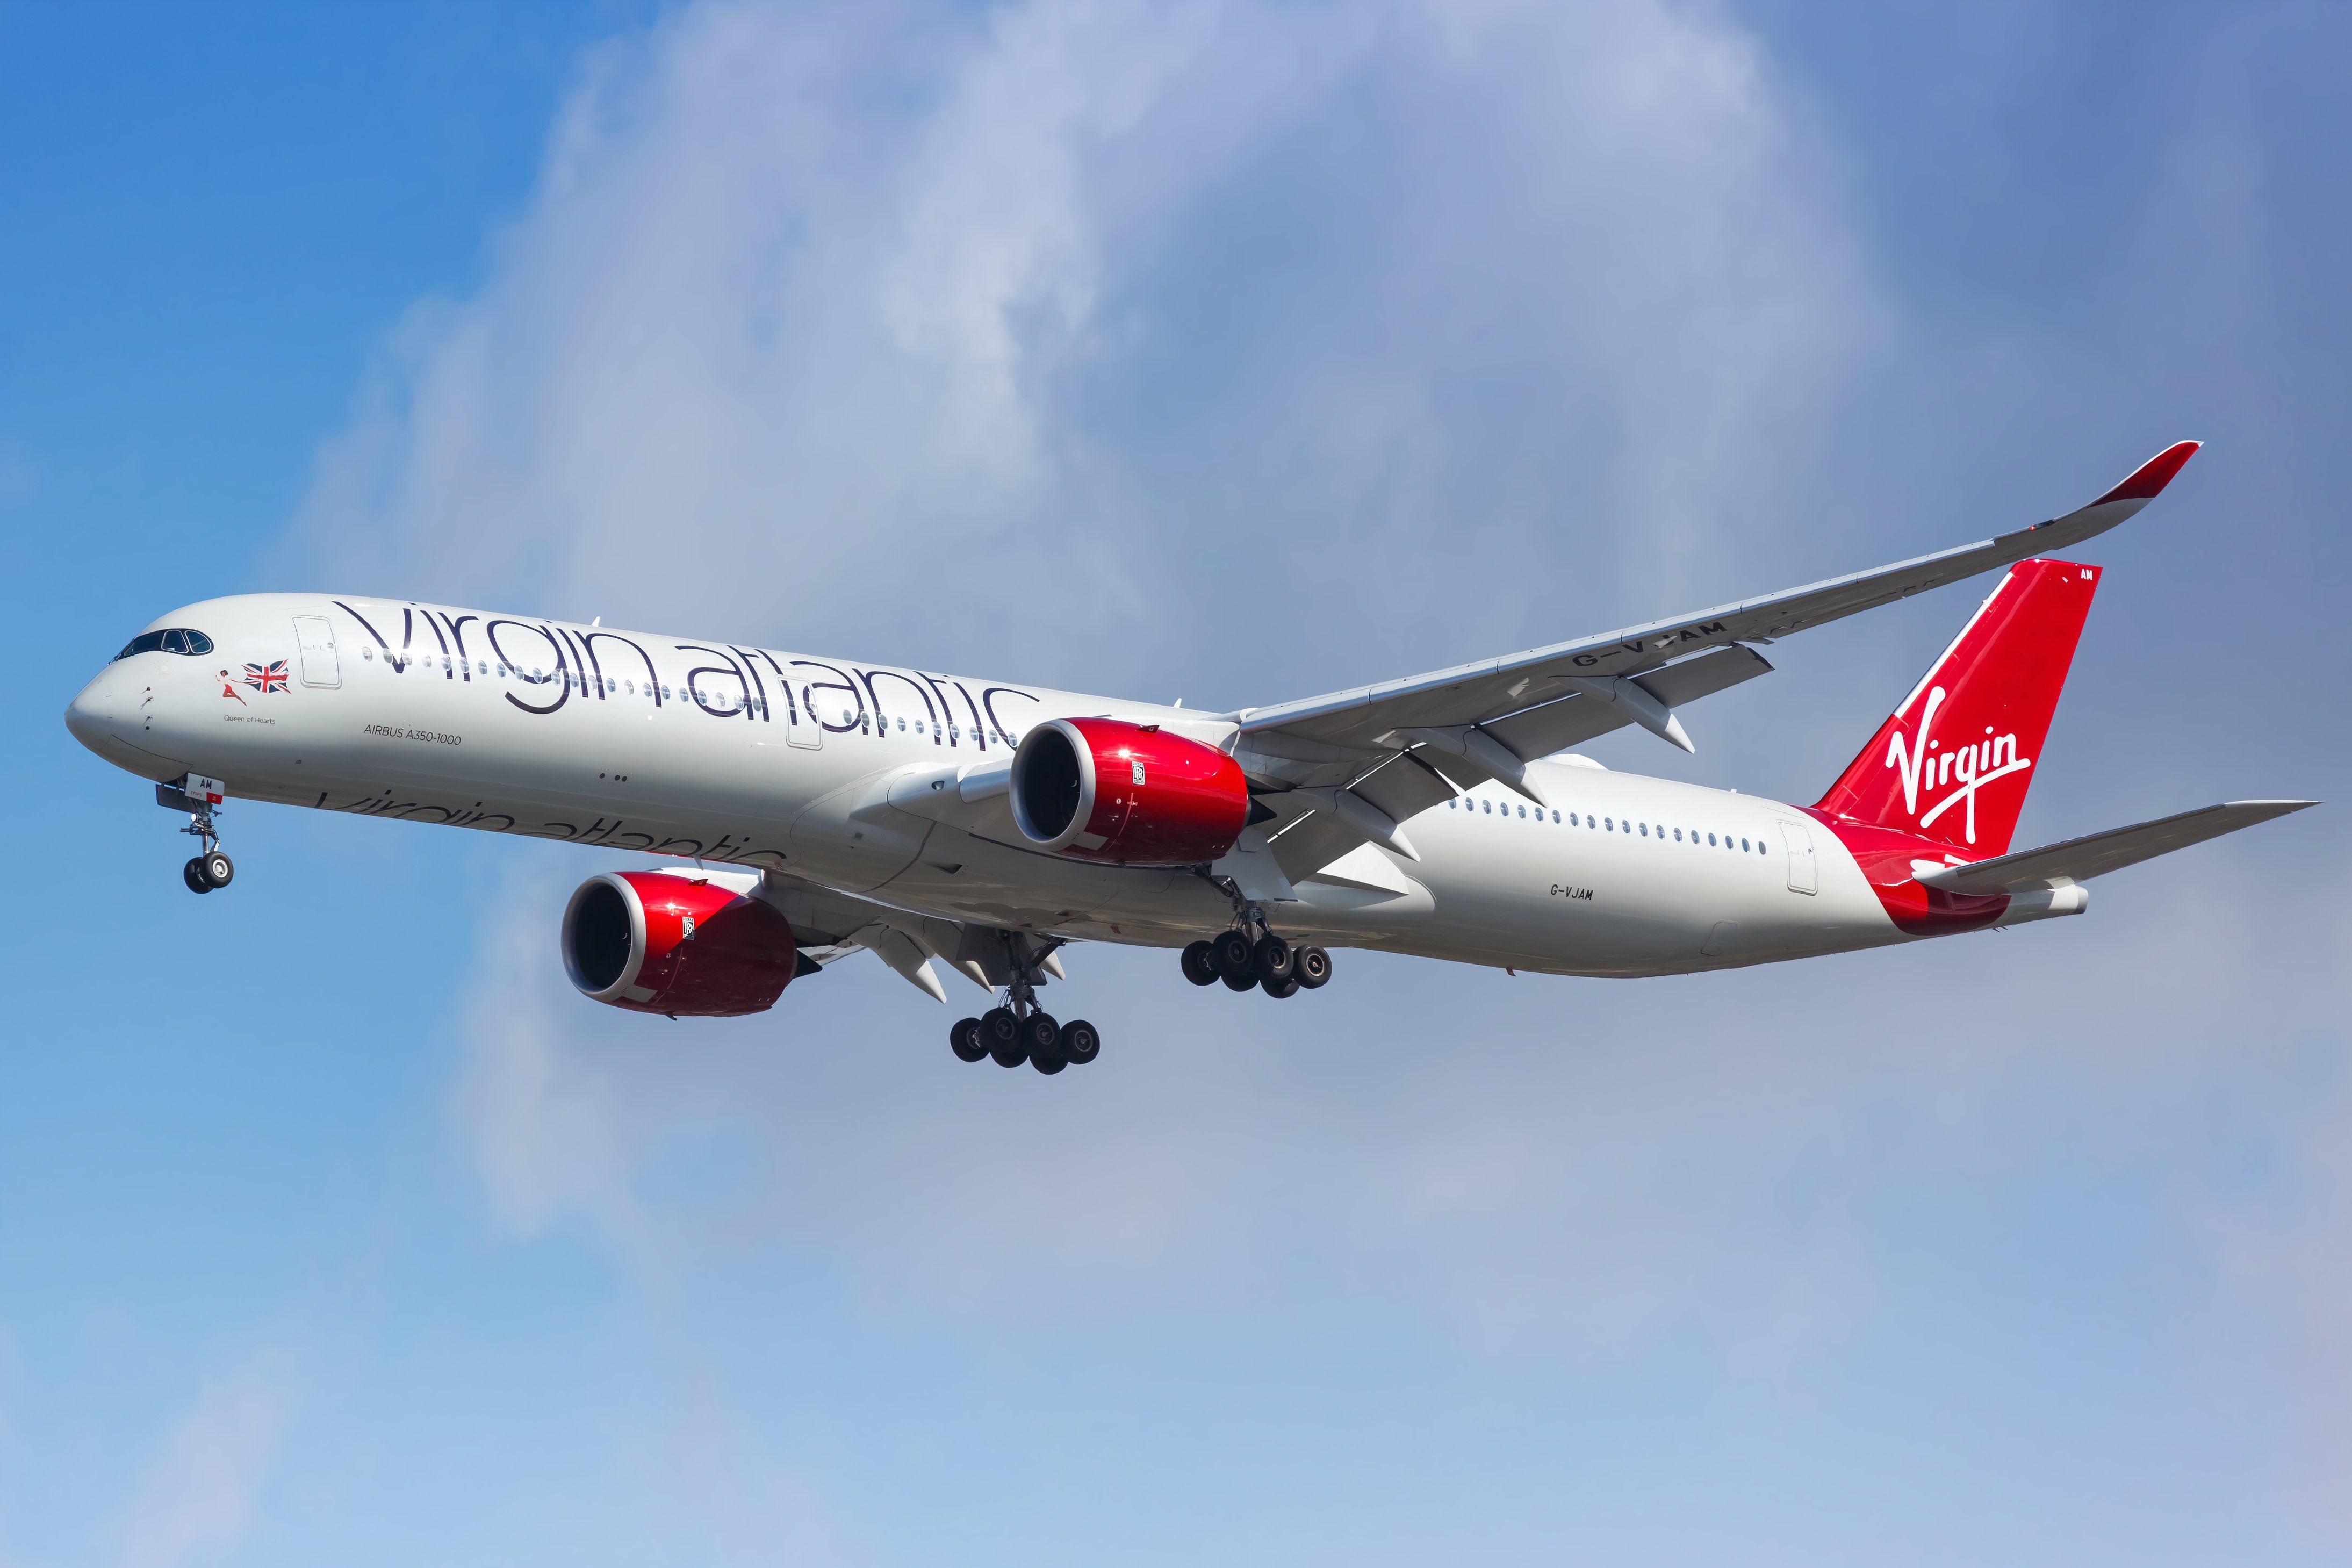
point(1102, 789)
point(664, 941)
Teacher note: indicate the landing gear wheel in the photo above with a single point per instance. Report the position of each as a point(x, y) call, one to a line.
point(1236, 960)
point(1312, 965)
point(964, 1041)
point(1000, 1031)
point(1080, 1042)
point(192, 873)
point(1285, 986)
point(1044, 1038)
point(215, 868)
point(1273, 962)
point(1200, 965)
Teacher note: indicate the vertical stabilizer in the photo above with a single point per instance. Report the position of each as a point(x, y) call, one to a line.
point(1954, 761)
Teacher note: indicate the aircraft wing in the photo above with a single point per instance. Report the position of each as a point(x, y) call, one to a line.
point(1594, 671)
point(2096, 854)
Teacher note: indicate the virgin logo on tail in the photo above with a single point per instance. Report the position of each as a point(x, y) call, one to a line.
point(1923, 763)
point(2002, 676)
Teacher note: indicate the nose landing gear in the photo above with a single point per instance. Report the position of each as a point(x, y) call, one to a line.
point(204, 872)
point(211, 869)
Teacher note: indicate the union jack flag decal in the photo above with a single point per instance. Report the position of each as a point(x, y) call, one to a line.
point(270, 677)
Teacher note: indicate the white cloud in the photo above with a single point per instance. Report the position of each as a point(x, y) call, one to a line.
point(1278, 346)
point(1026, 336)
point(199, 1491)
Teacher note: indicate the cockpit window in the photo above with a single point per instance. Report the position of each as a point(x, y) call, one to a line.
point(178, 639)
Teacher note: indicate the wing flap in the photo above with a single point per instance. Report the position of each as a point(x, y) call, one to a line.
point(1572, 721)
point(2096, 854)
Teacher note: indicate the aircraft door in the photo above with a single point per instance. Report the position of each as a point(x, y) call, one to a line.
point(801, 727)
point(315, 635)
point(1804, 876)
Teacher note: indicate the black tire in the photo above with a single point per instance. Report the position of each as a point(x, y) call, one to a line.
point(192, 874)
point(1199, 966)
point(1312, 966)
point(1285, 986)
point(964, 1040)
point(1043, 1036)
point(215, 868)
point(1000, 1031)
point(1080, 1044)
point(1273, 961)
point(1232, 955)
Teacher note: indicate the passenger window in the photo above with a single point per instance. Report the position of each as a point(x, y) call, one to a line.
point(1743, 845)
point(1523, 810)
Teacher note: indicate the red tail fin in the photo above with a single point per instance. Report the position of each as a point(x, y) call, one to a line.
point(1954, 761)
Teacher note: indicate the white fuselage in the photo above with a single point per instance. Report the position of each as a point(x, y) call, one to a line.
point(856, 777)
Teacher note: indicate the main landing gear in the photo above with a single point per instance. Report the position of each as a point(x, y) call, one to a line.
point(1020, 1031)
point(1269, 964)
point(1009, 1039)
point(211, 869)
point(1251, 957)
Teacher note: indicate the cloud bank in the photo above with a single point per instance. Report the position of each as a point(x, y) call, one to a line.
point(1231, 353)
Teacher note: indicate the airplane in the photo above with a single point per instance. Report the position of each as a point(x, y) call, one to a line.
point(810, 808)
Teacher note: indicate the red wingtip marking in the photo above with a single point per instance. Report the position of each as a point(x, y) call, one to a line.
point(2147, 482)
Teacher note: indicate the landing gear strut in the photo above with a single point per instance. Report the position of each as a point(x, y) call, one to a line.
point(1020, 1031)
point(211, 869)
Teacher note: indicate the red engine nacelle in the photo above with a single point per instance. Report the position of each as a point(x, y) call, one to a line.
point(1103, 789)
point(660, 941)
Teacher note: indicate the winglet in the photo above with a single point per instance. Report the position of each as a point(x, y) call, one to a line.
point(2148, 481)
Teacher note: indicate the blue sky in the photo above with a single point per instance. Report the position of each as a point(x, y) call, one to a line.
point(1235, 353)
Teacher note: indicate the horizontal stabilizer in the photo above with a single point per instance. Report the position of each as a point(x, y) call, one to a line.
point(2080, 860)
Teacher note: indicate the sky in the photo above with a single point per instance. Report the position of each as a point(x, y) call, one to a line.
point(1235, 352)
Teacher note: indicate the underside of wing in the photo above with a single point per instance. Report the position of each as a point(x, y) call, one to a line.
point(830, 926)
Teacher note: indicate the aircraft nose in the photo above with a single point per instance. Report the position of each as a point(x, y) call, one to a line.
point(100, 712)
